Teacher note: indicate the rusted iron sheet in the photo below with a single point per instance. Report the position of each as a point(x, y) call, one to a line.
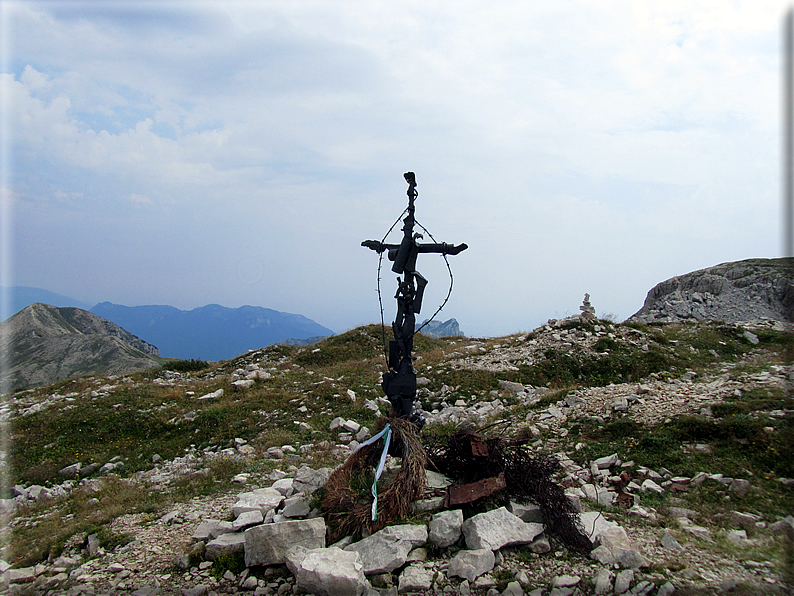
point(467, 493)
point(478, 447)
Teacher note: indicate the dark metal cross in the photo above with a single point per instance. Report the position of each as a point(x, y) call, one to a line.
point(399, 383)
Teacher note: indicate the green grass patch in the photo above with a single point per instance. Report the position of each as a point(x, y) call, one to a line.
point(621, 364)
point(191, 365)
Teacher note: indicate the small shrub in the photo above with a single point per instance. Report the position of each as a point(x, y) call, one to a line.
point(234, 562)
point(604, 344)
point(186, 365)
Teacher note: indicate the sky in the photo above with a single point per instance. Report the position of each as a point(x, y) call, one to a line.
point(189, 153)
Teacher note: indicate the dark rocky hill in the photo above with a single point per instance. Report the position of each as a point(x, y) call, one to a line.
point(747, 290)
point(44, 344)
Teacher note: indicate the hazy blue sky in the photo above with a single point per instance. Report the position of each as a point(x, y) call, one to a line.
point(239, 152)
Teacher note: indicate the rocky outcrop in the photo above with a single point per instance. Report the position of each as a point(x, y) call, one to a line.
point(45, 344)
point(735, 292)
point(449, 328)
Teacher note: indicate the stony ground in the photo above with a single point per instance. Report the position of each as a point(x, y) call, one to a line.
point(712, 550)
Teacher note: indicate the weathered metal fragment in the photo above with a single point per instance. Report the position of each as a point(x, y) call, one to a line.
point(468, 493)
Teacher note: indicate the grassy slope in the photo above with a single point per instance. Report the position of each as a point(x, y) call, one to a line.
point(138, 418)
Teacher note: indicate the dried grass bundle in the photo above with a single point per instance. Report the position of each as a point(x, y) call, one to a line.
point(347, 503)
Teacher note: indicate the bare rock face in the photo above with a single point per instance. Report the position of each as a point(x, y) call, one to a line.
point(45, 344)
point(450, 328)
point(731, 292)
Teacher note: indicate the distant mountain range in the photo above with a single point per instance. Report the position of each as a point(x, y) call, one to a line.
point(45, 343)
point(209, 332)
point(21, 296)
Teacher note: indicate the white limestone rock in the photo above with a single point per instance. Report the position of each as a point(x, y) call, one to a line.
point(388, 549)
point(415, 578)
point(268, 544)
point(228, 543)
point(262, 499)
point(284, 486)
point(247, 519)
point(528, 513)
point(471, 564)
point(498, 528)
point(445, 527)
point(327, 571)
point(308, 480)
point(296, 507)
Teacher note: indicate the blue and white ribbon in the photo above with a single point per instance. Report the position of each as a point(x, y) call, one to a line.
point(387, 433)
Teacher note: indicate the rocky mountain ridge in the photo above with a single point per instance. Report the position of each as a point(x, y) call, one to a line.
point(733, 292)
point(46, 343)
point(448, 328)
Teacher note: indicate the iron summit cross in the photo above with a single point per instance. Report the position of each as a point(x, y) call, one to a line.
point(399, 382)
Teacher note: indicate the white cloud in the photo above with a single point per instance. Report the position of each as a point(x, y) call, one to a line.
point(140, 199)
point(564, 142)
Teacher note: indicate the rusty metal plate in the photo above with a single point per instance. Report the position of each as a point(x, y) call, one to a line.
point(478, 447)
point(468, 493)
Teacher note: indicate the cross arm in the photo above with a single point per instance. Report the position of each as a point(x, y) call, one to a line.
point(443, 248)
point(378, 247)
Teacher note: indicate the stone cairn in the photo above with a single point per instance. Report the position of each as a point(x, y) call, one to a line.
point(588, 311)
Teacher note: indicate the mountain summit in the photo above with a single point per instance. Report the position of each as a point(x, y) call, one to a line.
point(46, 343)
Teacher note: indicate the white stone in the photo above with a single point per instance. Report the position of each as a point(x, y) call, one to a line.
point(296, 507)
point(445, 527)
point(246, 519)
point(268, 544)
point(415, 578)
point(330, 572)
point(670, 543)
point(606, 462)
point(623, 581)
point(388, 549)
point(284, 486)
point(471, 564)
point(231, 542)
point(498, 528)
point(263, 499)
point(649, 484)
point(603, 582)
point(213, 395)
point(565, 581)
point(351, 426)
